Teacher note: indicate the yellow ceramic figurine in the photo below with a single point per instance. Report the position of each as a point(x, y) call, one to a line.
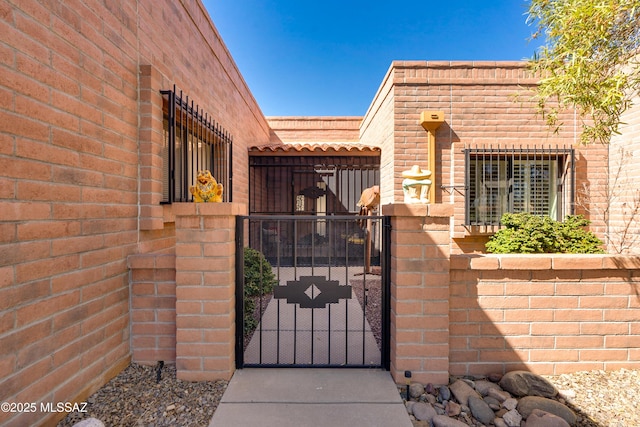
point(206, 189)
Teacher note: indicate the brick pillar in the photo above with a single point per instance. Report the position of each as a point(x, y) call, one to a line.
point(420, 241)
point(205, 289)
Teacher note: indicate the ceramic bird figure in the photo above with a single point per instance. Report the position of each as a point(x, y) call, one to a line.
point(369, 199)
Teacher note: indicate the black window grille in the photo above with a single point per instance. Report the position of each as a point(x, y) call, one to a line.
point(193, 141)
point(540, 181)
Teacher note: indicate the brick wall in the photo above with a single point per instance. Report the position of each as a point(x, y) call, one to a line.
point(419, 291)
point(314, 129)
point(153, 308)
point(484, 103)
point(205, 289)
point(549, 314)
point(81, 123)
point(68, 198)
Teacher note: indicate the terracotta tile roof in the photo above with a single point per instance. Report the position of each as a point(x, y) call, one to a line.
point(315, 148)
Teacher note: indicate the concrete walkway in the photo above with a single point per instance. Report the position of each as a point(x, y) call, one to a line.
point(311, 398)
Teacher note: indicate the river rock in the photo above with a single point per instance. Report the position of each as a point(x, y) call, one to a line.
point(494, 377)
point(452, 408)
point(512, 418)
point(528, 404)
point(539, 418)
point(523, 383)
point(492, 402)
point(510, 404)
point(480, 410)
point(499, 395)
point(416, 390)
point(499, 422)
point(461, 390)
point(444, 421)
point(444, 393)
point(423, 411)
point(483, 386)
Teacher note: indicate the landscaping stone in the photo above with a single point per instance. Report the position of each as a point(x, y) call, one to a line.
point(510, 404)
point(483, 386)
point(462, 391)
point(444, 421)
point(492, 402)
point(539, 418)
point(416, 390)
point(512, 418)
point(423, 411)
point(444, 393)
point(528, 404)
point(480, 410)
point(452, 409)
point(523, 383)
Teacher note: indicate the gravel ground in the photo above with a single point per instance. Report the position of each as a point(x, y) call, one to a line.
point(134, 398)
point(373, 306)
point(602, 399)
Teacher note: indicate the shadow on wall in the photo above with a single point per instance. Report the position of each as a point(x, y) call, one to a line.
point(548, 314)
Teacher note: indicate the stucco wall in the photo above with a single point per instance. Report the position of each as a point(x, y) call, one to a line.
point(82, 122)
point(624, 174)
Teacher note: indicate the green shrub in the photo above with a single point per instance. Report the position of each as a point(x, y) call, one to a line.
point(258, 273)
point(525, 233)
point(258, 280)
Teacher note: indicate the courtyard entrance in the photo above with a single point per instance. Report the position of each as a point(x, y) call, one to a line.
point(313, 291)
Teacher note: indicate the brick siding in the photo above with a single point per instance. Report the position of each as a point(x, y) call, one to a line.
point(81, 123)
point(549, 314)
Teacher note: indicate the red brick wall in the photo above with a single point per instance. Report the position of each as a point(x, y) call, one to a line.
point(550, 314)
point(81, 122)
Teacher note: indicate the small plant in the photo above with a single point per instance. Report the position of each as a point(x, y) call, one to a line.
point(258, 281)
point(258, 273)
point(525, 233)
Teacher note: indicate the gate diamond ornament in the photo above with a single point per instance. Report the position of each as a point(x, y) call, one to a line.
point(312, 292)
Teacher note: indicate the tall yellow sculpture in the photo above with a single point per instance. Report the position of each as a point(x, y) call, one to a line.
point(206, 189)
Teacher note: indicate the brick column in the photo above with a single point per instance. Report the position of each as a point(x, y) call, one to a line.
point(420, 241)
point(205, 289)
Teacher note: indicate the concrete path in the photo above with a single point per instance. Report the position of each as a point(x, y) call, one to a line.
point(338, 334)
point(311, 398)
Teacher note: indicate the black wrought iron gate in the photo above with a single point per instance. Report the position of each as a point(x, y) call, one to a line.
point(312, 291)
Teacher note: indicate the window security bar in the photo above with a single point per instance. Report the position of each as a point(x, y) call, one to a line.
point(538, 180)
point(193, 141)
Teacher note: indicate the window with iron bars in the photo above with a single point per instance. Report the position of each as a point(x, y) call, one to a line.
point(193, 141)
point(540, 181)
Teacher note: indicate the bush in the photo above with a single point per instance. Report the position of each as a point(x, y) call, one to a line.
point(258, 280)
point(258, 273)
point(525, 233)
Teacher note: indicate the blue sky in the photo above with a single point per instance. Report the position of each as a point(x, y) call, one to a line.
point(324, 58)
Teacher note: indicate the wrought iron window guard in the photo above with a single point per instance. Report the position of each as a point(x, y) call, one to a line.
point(539, 180)
point(193, 141)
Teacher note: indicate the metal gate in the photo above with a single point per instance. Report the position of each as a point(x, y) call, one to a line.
point(312, 291)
